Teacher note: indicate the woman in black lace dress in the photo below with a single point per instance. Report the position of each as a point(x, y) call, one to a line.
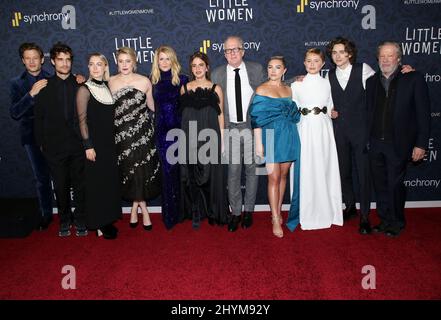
point(138, 160)
point(95, 108)
point(203, 188)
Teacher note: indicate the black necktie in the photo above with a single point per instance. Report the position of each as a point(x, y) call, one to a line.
point(237, 89)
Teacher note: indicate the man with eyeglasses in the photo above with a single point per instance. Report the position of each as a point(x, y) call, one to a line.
point(239, 79)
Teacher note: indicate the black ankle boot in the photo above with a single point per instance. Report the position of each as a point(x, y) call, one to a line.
point(109, 232)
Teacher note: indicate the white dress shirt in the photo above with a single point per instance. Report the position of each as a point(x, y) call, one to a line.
point(344, 74)
point(247, 91)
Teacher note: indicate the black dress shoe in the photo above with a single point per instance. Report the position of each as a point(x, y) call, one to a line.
point(247, 220)
point(195, 220)
point(365, 226)
point(44, 223)
point(234, 223)
point(106, 236)
point(211, 221)
point(393, 232)
point(112, 228)
point(380, 227)
point(147, 227)
point(108, 231)
point(349, 213)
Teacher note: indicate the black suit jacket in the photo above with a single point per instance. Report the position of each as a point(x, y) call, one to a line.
point(411, 111)
point(54, 130)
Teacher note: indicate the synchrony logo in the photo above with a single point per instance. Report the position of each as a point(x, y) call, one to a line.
point(219, 47)
point(205, 45)
point(327, 4)
point(301, 6)
point(67, 16)
point(16, 19)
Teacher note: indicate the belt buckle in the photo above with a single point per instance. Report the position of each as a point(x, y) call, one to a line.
point(305, 111)
point(318, 110)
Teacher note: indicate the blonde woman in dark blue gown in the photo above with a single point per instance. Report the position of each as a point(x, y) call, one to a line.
point(167, 81)
point(274, 116)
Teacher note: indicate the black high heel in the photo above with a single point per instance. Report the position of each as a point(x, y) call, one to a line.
point(148, 227)
point(133, 224)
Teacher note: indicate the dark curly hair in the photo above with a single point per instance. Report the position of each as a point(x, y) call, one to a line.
point(60, 48)
point(350, 48)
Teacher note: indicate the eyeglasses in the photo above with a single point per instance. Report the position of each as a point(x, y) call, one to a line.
point(230, 51)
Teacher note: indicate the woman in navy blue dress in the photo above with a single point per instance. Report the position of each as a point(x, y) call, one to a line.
point(274, 116)
point(167, 81)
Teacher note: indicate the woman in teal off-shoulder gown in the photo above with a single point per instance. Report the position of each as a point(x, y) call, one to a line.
point(274, 116)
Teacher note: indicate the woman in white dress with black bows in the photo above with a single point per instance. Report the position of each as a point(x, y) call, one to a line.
point(320, 187)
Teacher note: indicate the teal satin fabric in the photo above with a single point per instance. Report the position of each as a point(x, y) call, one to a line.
point(278, 117)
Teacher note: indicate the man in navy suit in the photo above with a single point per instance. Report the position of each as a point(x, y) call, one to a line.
point(398, 108)
point(23, 90)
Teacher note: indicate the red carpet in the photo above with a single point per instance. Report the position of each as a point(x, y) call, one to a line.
point(212, 263)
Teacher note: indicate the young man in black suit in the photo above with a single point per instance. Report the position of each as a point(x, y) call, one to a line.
point(348, 82)
point(57, 134)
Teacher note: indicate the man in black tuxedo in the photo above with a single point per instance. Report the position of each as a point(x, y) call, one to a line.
point(57, 134)
point(23, 90)
point(398, 108)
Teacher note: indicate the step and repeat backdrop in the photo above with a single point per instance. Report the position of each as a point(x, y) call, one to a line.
point(287, 27)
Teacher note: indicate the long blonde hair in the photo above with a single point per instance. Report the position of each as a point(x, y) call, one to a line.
point(175, 66)
point(103, 58)
point(130, 52)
